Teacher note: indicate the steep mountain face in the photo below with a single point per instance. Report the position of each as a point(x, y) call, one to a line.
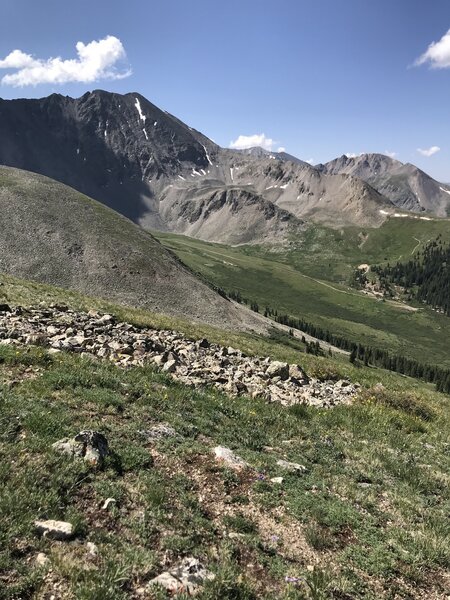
point(405, 185)
point(107, 146)
point(152, 168)
point(52, 234)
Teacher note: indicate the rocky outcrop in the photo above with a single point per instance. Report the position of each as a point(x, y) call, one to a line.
point(194, 363)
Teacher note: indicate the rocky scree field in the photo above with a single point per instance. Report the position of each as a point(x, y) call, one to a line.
point(195, 363)
point(160, 488)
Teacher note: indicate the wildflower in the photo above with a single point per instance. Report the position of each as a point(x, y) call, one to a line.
point(289, 579)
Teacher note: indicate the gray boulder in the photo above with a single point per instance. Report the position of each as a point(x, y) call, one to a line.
point(278, 369)
point(90, 445)
point(228, 457)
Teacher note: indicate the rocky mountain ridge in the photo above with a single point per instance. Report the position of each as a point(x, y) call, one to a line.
point(149, 166)
point(408, 187)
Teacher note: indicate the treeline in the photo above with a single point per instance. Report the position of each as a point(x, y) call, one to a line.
point(366, 354)
point(236, 296)
point(426, 277)
point(374, 356)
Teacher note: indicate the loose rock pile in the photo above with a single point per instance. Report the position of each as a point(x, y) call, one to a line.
point(195, 363)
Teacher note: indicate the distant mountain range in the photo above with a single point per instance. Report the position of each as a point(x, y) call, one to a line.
point(405, 185)
point(148, 165)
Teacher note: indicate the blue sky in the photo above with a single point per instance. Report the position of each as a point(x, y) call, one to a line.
point(318, 77)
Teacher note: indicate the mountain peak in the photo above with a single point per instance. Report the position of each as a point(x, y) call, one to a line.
point(407, 186)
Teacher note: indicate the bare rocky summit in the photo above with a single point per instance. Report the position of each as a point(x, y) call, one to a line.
point(194, 363)
point(405, 185)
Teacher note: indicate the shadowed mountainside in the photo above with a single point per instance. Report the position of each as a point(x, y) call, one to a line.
point(53, 234)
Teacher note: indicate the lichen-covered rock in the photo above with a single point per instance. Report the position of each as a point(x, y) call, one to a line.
point(57, 530)
point(188, 578)
point(90, 445)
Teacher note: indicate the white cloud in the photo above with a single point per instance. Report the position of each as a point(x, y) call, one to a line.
point(437, 54)
point(310, 161)
point(96, 60)
point(249, 141)
point(390, 154)
point(352, 155)
point(428, 151)
point(281, 149)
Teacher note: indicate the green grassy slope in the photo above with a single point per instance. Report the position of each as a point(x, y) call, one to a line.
point(332, 254)
point(367, 520)
point(303, 282)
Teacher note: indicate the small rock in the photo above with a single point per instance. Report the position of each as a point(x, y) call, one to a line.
point(230, 458)
point(291, 466)
point(297, 373)
point(342, 383)
point(90, 445)
point(42, 559)
point(277, 480)
point(159, 359)
point(234, 535)
point(92, 549)
point(278, 369)
point(115, 345)
point(170, 366)
point(77, 340)
point(57, 530)
point(105, 319)
point(187, 578)
point(159, 431)
point(103, 352)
